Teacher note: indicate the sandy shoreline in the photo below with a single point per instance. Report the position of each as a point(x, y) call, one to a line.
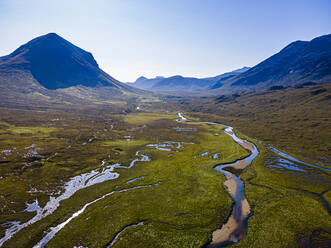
point(231, 185)
point(240, 165)
point(247, 145)
point(224, 234)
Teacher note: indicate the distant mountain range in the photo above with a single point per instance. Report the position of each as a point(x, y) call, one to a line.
point(180, 83)
point(298, 63)
point(51, 68)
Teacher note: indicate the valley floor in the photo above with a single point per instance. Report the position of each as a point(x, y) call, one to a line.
point(295, 119)
point(146, 180)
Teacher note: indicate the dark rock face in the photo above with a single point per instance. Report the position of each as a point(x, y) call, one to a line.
point(56, 63)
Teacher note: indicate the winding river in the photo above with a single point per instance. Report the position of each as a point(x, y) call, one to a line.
point(235, 228)
point(232, 231)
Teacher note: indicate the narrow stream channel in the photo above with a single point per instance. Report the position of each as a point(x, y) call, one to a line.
point(55, 230)
point(123, 230)
point(235, 228)
point(232, 231)
point(70, 188)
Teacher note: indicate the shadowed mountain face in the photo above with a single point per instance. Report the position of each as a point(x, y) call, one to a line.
point(50, 70)
point(299, 62)
point(56, 63)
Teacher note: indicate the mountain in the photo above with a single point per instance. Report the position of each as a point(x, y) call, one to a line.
point(171, 84)
point(299, 62)
point(228, 74)
point(182, 84)
point(145, 83)
point(51, 68)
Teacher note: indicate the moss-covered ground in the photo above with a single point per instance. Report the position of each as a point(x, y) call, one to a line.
point(40, 151)
point(49, 148)
point(286, 208)
point(294, 119)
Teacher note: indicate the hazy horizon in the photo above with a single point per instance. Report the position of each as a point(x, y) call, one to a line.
point(130, 39)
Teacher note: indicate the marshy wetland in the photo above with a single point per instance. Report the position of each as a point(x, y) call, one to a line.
point(145, 179)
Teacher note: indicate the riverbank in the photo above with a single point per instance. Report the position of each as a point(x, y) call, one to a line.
point(284, 215)
point(293, 194)
point(234, 229)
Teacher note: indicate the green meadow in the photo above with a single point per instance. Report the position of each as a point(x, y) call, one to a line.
point(182, 200)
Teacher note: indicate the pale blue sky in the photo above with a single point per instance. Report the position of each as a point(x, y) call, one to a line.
point(167, 37)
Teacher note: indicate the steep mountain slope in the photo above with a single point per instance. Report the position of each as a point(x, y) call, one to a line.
point(299, 62)
point(56, 63)
point(51, 69)
point(180, 83)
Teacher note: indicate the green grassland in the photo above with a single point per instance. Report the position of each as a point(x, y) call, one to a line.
point(295, 119)
point(188, 182)
point(286, 208)
point(145, 118)
point(182, 211)
point(285, 212)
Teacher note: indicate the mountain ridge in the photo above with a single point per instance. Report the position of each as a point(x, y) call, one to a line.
point(300, 61)
point(181, 83)
point(51, 69)
point(56, 63)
